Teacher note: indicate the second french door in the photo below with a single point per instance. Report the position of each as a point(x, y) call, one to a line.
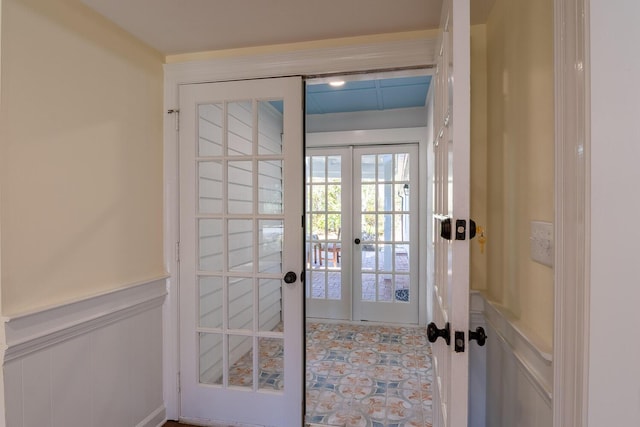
point(361, 237)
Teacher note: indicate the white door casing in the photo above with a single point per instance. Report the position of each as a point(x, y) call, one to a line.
point(240, 232)
point(452, 182)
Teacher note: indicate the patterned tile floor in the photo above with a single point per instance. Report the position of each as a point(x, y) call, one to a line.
point(369, 376)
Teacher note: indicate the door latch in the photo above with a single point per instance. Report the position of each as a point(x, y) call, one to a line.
point(461, 229)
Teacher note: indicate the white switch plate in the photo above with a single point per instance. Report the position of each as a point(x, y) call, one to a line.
point(542, 242)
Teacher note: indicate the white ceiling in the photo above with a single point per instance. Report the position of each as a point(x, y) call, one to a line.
point(184, 26)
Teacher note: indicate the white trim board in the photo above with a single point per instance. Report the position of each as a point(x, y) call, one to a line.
point(35, 331)
point(572, 215)
point(533, 357)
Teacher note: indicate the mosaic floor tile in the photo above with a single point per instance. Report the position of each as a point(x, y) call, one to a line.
point(368, 376)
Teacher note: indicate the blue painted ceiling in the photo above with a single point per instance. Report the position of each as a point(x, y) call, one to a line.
point(367, 95)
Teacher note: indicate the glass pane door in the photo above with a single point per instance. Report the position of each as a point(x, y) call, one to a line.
point(240, 200)
point(386, 196)
point(328, 218)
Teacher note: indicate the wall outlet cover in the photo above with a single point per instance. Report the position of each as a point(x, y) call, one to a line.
point(541, 242)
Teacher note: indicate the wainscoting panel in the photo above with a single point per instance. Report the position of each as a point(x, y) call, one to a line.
point(91, 363)
point(477, 365)
point(519, 373)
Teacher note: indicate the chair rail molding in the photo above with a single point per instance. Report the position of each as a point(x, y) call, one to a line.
point(102, 351)
point(30, 332)
point(572, 218)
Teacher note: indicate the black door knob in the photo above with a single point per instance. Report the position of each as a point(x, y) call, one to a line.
point(433, 333)
point(290, 277)
point(356, 241)
point(479, 335)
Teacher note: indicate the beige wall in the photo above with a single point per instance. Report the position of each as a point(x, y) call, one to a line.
point(81, 159)
point(478, 264)
point(520, 161)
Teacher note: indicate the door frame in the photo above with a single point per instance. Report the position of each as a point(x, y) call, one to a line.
point(407, 50)
point(413, 49)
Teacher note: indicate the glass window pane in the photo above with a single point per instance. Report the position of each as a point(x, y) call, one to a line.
point(240, 303)
point(318, 226)
point(318, 284)
point(210, 244)
point(240, 128)
point(271, 235)
point(334, 226)
point(401, 194)
point(334, 195)
point(240, 240)
point(385, 197)
point(240, 361)
point(210, 350)
point(270, 196)
point(210, 130)
point(367, 169)
point(402, 167)
point(385, 287)
point(318, 197)
point(270, 127)
point(385, 167)
point(368, 197)
point(210, 187)
point(318, 171)
point(368, 257)
point(334, 168)
point(240, 187)
point(271, 364)
point(401, 228)
point(368, 287)
point(334, 285)
point(402, 258)
point(385, 258)
point(368, 232)
point(210, 302)
point(270, 305)
point(402, 288)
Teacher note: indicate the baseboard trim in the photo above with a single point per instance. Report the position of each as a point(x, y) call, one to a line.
point(155, 419)
point(30, 332)
point(533, 357)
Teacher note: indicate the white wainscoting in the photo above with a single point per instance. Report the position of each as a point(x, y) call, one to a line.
point(477, 365)
point(519, 371)
point(90, 363)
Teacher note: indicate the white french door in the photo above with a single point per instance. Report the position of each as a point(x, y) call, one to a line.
point(385, 238)
point(328, 219)
point(241, 300)
point(450, 327)
point(361, 239)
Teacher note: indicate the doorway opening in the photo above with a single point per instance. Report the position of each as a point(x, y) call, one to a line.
point(366, 249)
